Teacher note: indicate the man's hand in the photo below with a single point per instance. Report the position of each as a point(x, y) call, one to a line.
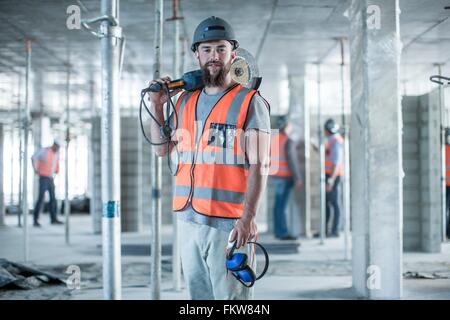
point(244, 230)
point(299, 184)
point(158, 99)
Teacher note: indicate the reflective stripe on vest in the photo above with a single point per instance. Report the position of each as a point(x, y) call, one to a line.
point(278, 158)
point(44, 163)
point(447, 164)
point(328, 147)
point(212, 173)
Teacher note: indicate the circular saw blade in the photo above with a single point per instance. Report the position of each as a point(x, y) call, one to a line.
point(244, 68)
point(240, 71)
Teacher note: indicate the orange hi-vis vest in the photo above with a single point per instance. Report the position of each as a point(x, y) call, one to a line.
point(447, 165)
point(212, 173)
point(44, 163)
point(279, 166)
point(328, 147)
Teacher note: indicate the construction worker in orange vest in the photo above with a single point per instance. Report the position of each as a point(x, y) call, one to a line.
point(285, 172)
point(333, 174)
point(46, 165)
point(220, 174)
point(447, 179)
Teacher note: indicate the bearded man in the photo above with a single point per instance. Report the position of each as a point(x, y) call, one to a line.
point(229, 125)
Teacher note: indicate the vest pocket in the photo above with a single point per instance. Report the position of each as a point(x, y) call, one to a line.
point(221, 135)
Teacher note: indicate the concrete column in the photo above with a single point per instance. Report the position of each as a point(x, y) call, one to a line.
point(146, 191)
point(300, 119)
point(264, 214)
point(96, 175)
point(130, 149)
point(140, 178)
point(422, 164)
point(2, 193)
point(412, 234)
point(37, 107)
point(430, 172)
point(41, 124)
point(376, 159)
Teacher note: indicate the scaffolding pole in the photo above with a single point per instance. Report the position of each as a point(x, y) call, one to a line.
point(156, 173)
point(66, 161)
point(176, 263)
point(111, 46)
point(26, 126)
point(321, 160)
point(345, 160)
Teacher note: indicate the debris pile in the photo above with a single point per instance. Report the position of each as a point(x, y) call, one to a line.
point(17, 276)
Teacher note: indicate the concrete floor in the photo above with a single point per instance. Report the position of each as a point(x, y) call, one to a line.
point(315, 272)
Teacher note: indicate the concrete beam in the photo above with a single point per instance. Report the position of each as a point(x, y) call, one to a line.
point(376, 159)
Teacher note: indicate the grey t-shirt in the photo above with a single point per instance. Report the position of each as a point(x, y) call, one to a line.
point(258, 118)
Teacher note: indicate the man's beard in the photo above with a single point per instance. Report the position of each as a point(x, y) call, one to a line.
point(218, 79)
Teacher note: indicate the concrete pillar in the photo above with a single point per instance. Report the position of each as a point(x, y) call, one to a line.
point(130, 188)
point(37, 108)
point(430, 172)
point(412, 235)
point(166, 192)
point(264, 214)
point(376, 158)
point(422, 165)
point(41, 123)
point(300, 119)
point(146, 191)
point(145, 153)
point(2, 193)
point(140, 178)
point(96, 175)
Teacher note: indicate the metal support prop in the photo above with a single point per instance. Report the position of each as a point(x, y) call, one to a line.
point(111, 45)
point(66, 161)
point(321, 160)
point(156, 173)
point(176, 262)
point(26, 127)
point(346, 167)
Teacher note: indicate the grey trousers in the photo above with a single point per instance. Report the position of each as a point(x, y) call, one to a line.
point(203, 259)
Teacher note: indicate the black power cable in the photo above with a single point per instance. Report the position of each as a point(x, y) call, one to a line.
point(166, 131)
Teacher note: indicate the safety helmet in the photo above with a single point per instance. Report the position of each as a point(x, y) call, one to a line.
point(331, 126)
point(57, 141)
point(213, 28)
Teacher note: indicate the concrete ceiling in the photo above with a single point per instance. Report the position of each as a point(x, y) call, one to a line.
point(290, 33)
